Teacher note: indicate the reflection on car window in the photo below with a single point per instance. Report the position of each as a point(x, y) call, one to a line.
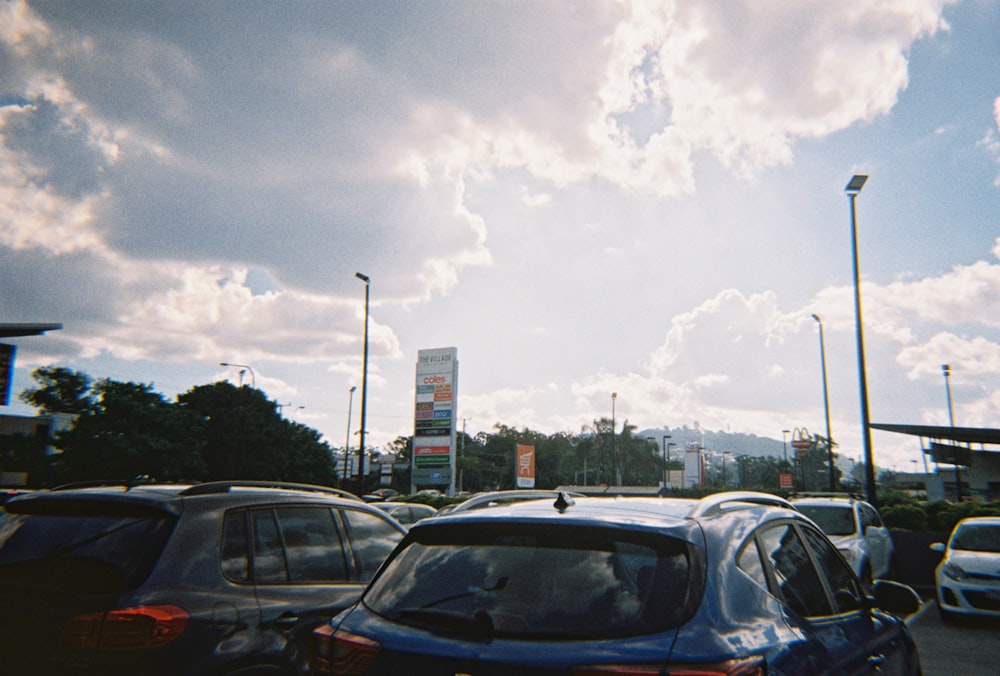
point(798, 581)
point(977, 538)
point(832, 519)
point(553, 583)
point(371, 538)
point(839, 577)
point(312, 545)
point(749, 562)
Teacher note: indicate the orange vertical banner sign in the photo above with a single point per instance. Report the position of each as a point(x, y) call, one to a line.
point(525, 466)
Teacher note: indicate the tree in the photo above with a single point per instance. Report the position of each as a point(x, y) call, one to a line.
point(129, 431)
point(247, 438)
point(60, 390)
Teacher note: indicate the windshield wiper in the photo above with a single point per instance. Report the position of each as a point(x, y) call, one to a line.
point(479, 623)
point(472, 591)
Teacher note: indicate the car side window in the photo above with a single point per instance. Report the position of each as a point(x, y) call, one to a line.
point(234, 555)
point(869, 517)
point(749, 562)
point(268, 558)
point(839, 577)
point(798, 582)
point(371, 539)
point(313, 547)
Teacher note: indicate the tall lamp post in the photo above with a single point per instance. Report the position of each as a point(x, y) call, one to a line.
point(364, 391)
point(666, 462)
point(253, 376)
point(826, 401)
point(784, 439)
point(614, 442)
point(347, 441)
point(852, 189)
point(946, 370)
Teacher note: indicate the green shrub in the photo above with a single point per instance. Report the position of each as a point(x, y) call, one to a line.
point(905, 516)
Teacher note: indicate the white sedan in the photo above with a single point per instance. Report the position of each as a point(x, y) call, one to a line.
point(968, 577)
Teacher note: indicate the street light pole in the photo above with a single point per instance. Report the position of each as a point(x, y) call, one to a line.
point(253, 376)
point(784, 438)
point(852, 189)
point(364, 391)
point(826, 402)
point(946, 370)
point(614, 442)
point(666, 462)
point(347, 441)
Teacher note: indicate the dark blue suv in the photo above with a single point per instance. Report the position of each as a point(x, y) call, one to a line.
point(735, 583)
point(215, 578)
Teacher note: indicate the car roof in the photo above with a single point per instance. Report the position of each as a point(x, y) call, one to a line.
point(981, 520)
point(637, 511)
point(829, 500)
point(169, 497)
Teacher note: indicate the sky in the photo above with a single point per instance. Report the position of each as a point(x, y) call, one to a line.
point(584, 197)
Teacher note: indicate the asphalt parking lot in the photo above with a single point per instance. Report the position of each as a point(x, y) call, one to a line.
point(966, 646)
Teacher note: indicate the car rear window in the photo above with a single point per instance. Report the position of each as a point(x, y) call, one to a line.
point(80, 548)
point(831, 519)
point(537, 583)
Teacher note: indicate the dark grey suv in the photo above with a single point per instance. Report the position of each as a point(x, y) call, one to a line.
point(215, 578)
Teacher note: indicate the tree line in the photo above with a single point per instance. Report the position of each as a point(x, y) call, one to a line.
point(121, 430)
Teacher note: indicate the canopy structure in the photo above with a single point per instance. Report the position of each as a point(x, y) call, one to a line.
point(967, 435)
point(15, 330)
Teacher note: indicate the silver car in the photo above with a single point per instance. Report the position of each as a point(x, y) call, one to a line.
point(968, 577)
point(856, 529)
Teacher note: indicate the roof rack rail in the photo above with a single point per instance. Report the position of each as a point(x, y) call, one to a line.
point(213, 487)
point(713, 504)
point(141, 480)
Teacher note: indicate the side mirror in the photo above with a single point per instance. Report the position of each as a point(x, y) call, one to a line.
point(895, 598)
point(937, 547)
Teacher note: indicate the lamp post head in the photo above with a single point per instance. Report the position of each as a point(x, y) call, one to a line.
point(614, 395)
point(364, 278)
point(818, 320)
point(353, 388)
point(856, 183)
point(946, 369)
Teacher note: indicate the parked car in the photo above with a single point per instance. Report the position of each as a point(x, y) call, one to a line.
point(495, 498)
point(857, 530)
point(219, 578)
point(734, 583)
point(406, 512)
point(967, 580)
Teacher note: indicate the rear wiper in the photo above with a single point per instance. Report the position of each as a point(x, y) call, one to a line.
point(472, 591)
point(479, 623)
point(62, 550)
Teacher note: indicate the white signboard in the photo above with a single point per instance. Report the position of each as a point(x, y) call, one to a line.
point(434, 416)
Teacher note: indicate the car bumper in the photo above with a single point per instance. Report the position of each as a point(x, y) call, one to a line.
point(971, 597)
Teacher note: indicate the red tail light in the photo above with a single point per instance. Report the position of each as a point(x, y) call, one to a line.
point(340, 653)
point(751, 666)
point(140, 628)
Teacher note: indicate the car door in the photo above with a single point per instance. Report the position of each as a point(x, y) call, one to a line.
point(300, 572)
point(823, 599)
point(876, 637)
point(878, 540)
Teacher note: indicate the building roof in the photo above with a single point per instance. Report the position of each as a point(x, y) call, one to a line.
point(969, 435)
point(14, 330)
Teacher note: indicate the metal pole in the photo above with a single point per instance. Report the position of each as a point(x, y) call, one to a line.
point(666, 462)
point(826, 401)
point(616, 470)
point(852, 190)
point(347, 441)
point(946, 369)
point(364, 391)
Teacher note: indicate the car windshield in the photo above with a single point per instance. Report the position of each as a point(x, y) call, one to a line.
point(977, 538)
point(537, 582)
point(832, 519)
point(87, 551)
